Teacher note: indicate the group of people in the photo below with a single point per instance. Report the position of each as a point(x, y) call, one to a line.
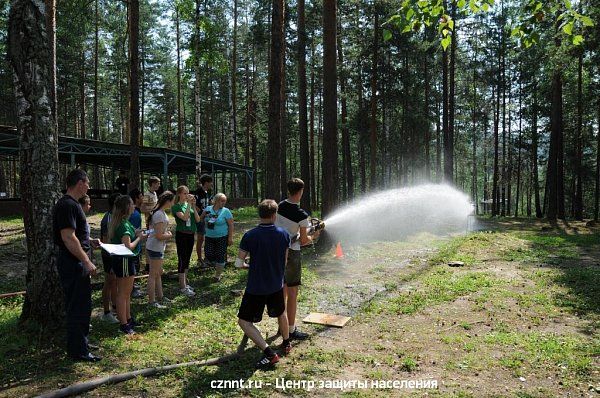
point(274, 269)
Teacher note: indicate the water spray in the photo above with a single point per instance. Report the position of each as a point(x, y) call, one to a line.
point(396, 214)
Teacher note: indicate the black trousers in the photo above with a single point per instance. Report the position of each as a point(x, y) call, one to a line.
point(185, 247)
point(78, 303)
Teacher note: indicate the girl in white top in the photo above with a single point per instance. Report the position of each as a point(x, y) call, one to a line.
point(158, 224)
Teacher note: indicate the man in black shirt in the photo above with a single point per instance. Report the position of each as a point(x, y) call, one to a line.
point(203, 199)
point(71, 235)
point(122, 183)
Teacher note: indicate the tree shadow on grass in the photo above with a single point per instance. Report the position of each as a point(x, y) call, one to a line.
point(577, 256)
point(41, 363)
point(206, 380)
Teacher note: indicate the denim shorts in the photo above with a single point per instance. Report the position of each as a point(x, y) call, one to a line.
point(155, 255)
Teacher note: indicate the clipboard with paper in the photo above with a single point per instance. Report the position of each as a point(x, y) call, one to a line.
point(116, 250)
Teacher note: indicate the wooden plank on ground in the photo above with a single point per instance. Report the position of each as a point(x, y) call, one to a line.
point(326, 319)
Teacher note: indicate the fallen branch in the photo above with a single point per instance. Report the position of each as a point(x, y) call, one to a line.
point(80, 388)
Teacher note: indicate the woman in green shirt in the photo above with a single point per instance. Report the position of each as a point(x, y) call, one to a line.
point(186, 216)
point(120, 231)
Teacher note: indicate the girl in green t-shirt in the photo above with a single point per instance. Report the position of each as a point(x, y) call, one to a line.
point(187, 215)
point(120, 230)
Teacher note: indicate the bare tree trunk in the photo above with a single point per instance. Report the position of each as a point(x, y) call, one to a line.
point(302, 112)
point(578, 199)
point(197, 115)
point(519, 145)
point(449, 145)
point(330, 180)
point(373, 124)
point(29, 51)
point(234, 127)
point(51, 32)
point(534, 155)
point(312, 127)
point(96, 55)
point(348, 175)
point(276, 84)
point(179, 99)
point(134, 92)
point(82, 96)
point(554, 156)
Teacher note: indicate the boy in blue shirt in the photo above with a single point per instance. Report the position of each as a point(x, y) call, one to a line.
point(267, 246)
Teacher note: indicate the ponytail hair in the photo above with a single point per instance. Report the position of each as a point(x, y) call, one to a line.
point(119, 213)
point(164, 197)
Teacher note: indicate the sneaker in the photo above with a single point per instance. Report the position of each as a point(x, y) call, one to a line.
point(110, 318)
point(137, 293)
point(187, 292)
point(156, 304)
point(133, 323)
point(298, 335)
point(127, 329)
point(267, 362)
point(203, 264)
point(165, 300)
point(286, 349)
point(190, 288)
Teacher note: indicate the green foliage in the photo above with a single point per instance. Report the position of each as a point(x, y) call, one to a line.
point(414, 16)
point(563, 15)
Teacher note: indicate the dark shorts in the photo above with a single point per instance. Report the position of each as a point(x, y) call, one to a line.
point(293, 269)
point(215, 250)
point(155, 255)
point(201, 228)
point(253, 306)
point(124, 267)
point(106, 262)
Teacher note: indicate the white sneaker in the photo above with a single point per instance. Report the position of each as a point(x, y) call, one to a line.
point(110, 318)
point(156, 304)
point(188, 287)
point(187, 292)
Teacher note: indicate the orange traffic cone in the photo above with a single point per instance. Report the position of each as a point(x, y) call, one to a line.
point(338, 251)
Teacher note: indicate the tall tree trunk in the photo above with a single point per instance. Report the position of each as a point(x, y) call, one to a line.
point(495, 202)
point(554, 156)
point(197, 83)
point(426, 118)
point(283, 149)
point(51, 32)
point(96, 56)
point(597, 190)
point(348, 175)
point(330, 179)
point(134, 92)
point(578, 199)
point(179, 96)
point(449, 146)
point(302, 111)
point(82, 100)
point(448, 167)
point(143, 91)
point(474, 153)
point(373, 120)
point(276, 84)
point(534, 154)
point(29, 52)
point(312, 127)
point(519, 145)
point(438, 144)
point(234, 127)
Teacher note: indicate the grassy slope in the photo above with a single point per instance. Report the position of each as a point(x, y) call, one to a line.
point(526, 304)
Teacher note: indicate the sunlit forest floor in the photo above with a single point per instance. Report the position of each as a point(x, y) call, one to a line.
point(519, 319)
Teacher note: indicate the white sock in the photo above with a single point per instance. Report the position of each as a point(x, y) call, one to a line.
point(292, 328)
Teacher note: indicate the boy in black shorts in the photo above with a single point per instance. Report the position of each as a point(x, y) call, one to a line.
point(268, 246)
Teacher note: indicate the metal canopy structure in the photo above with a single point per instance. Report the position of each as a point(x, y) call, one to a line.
point(159, 161)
